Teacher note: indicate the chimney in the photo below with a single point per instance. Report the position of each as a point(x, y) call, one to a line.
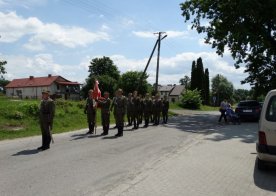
point(49, 75)
point(31, 77)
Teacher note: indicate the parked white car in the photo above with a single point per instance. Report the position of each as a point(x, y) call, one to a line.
point(266, 145)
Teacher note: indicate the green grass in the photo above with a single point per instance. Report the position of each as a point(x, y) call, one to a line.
point(176, 106)
point(14, 114)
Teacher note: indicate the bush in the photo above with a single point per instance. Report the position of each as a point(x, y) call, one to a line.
point(191, 99)
point(16, 115)
point(31, 109)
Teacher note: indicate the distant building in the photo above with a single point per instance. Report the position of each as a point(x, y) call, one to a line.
point(176, 92)
point(33, 86)
point(165, 90)
point(173, 92)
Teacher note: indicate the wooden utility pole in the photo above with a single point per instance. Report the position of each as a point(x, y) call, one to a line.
point(158, 42)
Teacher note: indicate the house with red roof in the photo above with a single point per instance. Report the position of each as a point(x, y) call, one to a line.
point(33, 86)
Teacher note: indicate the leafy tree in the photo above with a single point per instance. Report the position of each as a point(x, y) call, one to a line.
point(131, 81)
point(104, 70)
point(186, 81)
point(2, 68)
point(191, 99)
point(3, 83)
point(241, 94)
point(222, 88)
point(247, 28)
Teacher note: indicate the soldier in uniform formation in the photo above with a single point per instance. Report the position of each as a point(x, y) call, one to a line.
point(134, 106)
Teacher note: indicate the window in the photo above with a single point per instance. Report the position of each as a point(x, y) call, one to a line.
point(271, 110)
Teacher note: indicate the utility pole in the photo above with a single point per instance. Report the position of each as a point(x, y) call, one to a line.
point(157, 43)
point(158, 57)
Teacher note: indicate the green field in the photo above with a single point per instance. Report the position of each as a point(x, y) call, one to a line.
point(18, 118)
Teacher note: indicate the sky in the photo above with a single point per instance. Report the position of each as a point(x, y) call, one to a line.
point(61, 37)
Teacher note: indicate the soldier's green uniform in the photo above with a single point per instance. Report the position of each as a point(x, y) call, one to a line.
point(157, 110)
point(46, 117)
point(90, 110)
point(113, 108)
point(120, 106)
point(105, 114)
point(129, 110)
point(135, 116)
point(147, 110)
point(165, 110)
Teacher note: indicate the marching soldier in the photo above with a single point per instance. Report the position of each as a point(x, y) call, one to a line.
point(157, 109)
point(120, 107)
point(165, 109)
point(129, 110)
point(152, 109)
point(90, 111)
point(105, 112)
point(136, 105)
point(46, 117)
point(140, 109)
point(147, 110)
point(112, 106)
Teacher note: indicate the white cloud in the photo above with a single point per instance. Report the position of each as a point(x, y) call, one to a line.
point(14, 27)
point(171, 68)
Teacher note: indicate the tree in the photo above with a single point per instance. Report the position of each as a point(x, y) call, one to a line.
point(247, 28)
point(131, 81)
point(241, 94)
point(104, 70)
point(2, 68)
point(193, 76)
point(191, 99)
point(200, 77)
point(186, 81)
point(222, 88)
point(206, 87)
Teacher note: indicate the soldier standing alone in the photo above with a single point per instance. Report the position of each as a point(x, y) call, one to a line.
point(105, 112)
point(90, 110)
point(120, 107)
point(46, 117)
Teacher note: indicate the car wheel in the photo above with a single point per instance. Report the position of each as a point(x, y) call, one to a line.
point(261, 164)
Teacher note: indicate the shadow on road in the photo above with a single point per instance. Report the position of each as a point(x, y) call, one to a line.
point(79, 136)
point(265, 179)
point(208, 124)
point(109, 137)
point(26, 152)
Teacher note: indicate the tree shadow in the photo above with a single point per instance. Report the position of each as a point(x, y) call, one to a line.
point(26, 152)
point(265, 179)
point(208, 124)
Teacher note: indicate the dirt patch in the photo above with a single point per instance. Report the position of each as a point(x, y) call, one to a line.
point(12, 128)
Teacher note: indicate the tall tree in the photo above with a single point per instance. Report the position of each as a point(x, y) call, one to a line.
point(131, 81)
point(222, 88)
point(206, 87)
point(200, 77)
point(104, 70)
point(247, 28)
point(193, 76)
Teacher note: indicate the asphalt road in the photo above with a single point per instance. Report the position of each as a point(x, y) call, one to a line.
point(78, 164)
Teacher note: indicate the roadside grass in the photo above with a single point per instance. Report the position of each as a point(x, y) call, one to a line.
point(177, 106)
point(19, 118)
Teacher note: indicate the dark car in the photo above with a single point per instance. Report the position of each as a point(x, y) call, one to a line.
point(249, 110)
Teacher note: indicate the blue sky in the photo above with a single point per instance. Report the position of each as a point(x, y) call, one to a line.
point(60, 37)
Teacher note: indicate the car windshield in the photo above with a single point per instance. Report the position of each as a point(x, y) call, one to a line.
point(249, 103)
